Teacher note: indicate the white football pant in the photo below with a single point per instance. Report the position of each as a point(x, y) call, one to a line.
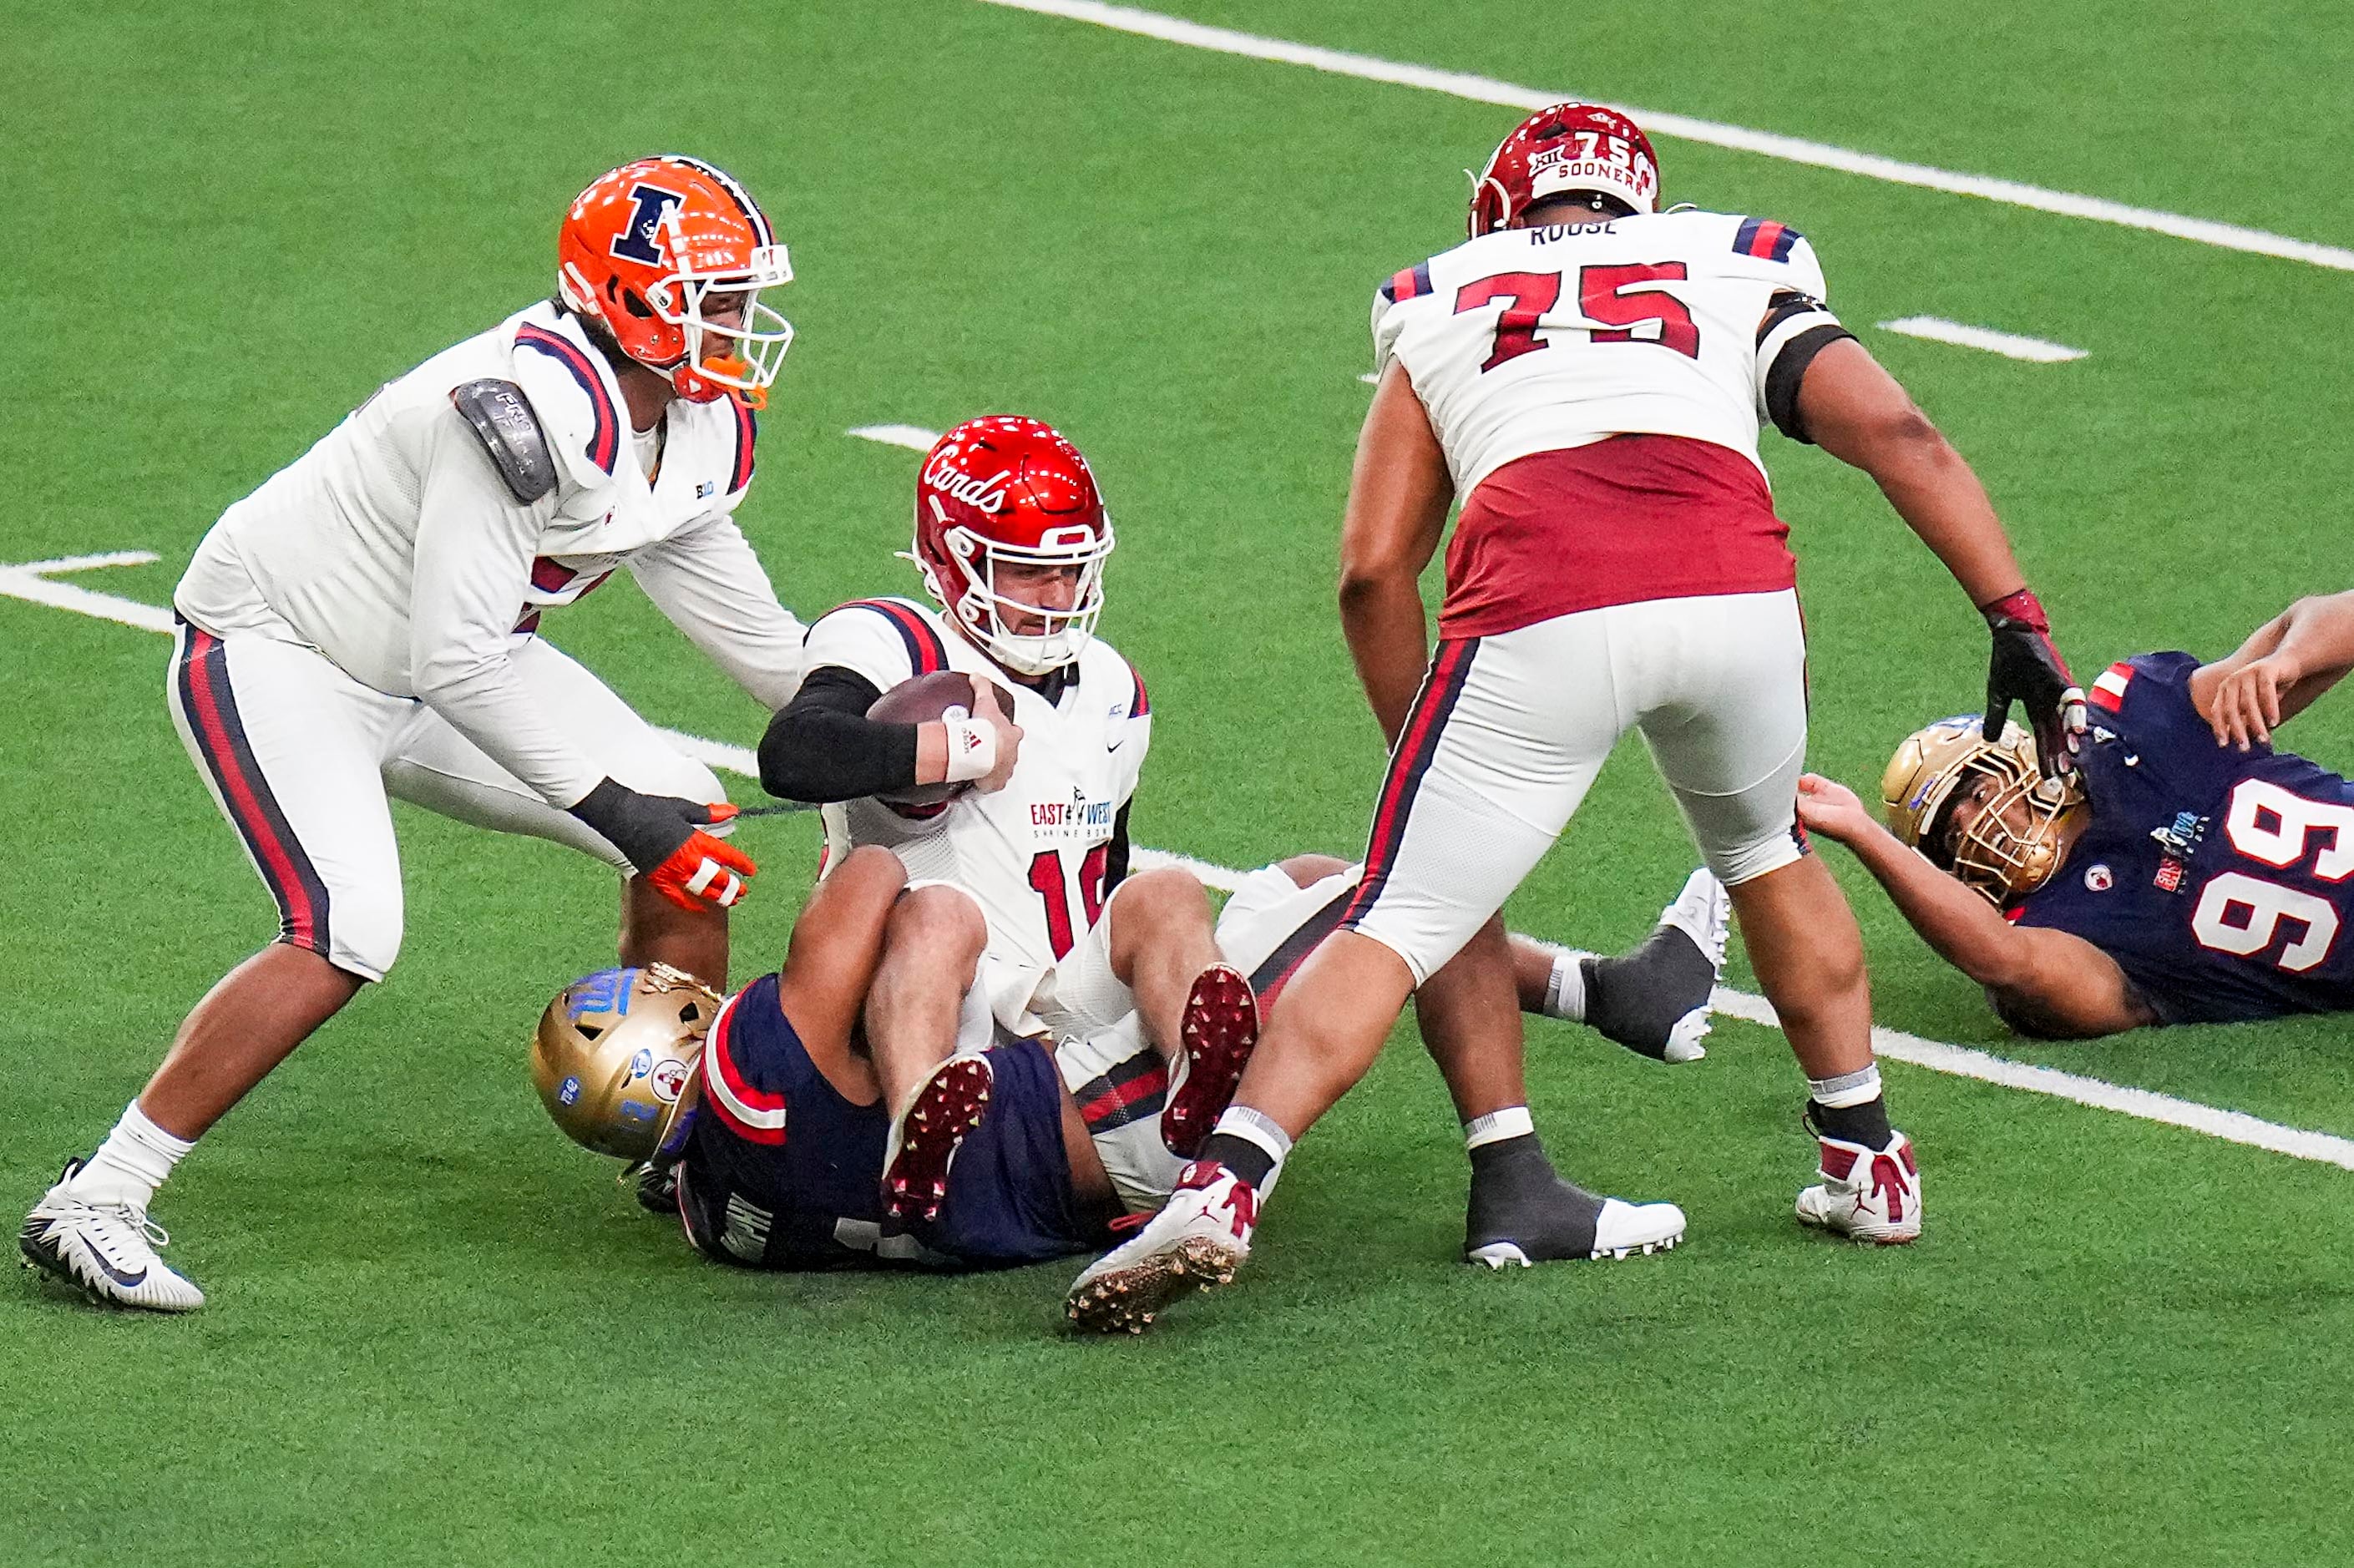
point(1508, 731)
point(303, 760)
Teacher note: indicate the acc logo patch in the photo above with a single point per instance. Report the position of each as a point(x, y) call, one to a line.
point(670, 1078)
point(2098, 878)
point(642, 1064)
point(569, 1092)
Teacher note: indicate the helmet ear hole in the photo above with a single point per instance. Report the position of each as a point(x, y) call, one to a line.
point(591, 1031)
point(636, 305)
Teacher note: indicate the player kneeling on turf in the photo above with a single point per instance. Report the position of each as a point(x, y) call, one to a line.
point(364, 627)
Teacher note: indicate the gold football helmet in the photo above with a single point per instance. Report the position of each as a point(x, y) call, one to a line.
point(618, 1055)
point(2023, 829)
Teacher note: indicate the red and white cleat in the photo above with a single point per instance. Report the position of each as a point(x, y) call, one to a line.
point(1195, 1242)
point(1866, 1195)
point(1221, 1027)
point(925, 1140)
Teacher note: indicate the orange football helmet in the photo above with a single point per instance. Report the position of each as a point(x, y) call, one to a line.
point(669, 255)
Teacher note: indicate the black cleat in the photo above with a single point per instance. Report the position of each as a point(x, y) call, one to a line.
point(1522, 1213)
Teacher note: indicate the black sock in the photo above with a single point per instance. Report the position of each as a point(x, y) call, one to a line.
point(1866, 1124)
point(1240, 1155)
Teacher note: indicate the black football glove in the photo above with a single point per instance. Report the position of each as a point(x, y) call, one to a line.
point(663, 839)
point(2026, 668)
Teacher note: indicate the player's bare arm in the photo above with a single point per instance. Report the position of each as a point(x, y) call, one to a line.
point(830, 963)
point(1398, 496)
point(1855, 410)
point(2278, 671)
point(2043, 982)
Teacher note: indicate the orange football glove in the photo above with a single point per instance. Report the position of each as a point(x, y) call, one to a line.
point(704, 872)
point(661, 836)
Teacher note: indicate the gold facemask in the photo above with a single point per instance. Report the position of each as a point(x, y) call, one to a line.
point(2023, 829)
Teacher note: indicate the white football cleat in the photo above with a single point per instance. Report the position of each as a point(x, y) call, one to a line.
point(1702, 911)
point(105, 1249)
point(1196, 1242)
point(1866, 1195)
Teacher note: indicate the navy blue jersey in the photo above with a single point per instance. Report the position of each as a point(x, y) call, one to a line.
point(2218, 880)
point(782, 1170)
point(1010, 1199)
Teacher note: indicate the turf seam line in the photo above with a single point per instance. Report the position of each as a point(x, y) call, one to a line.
point(1738, 138)
point(27, 581)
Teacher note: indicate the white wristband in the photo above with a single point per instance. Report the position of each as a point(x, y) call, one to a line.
point(972, 747)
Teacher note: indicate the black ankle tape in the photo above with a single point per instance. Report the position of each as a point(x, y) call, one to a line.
point(1240, 1155)
point(1866, 1124)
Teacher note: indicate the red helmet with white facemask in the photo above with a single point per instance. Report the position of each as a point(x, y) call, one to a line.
point(1568, 147)
point(1007, 491)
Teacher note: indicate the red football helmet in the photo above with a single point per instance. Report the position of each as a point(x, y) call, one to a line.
point(1569, 147)
point(1006, 491)
point(649, 245)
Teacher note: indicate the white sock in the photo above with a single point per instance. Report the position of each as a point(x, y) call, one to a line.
point(1848, 1090)
point(1512, 1121)
point(1565, 991)
point(1262, 1132)
point(131, 1164)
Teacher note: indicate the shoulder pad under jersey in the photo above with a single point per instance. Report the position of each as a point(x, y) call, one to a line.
point(577, 409)
point(502, 418)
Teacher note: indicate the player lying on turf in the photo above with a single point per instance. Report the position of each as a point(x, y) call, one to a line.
point(994, 742)
point(1589, 375)
point(361, 627)
point(771, 1131)
point(2187, 872)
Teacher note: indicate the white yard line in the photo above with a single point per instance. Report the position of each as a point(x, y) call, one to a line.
point(1936, 328)
point(2149, 1105)
point(1767, 143)
point(914, 438)
point(30, 581)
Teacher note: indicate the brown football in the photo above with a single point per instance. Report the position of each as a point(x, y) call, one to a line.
point(921, 701)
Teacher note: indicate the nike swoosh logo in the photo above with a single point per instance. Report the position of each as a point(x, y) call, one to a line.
point(128, 1281)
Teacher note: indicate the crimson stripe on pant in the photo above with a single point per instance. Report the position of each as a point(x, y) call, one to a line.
point(210, 705)
point(1426, 722)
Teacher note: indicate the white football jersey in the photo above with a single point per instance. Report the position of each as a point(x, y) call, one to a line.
point(1531, 340)
point(393, 547)
point(1035, 853)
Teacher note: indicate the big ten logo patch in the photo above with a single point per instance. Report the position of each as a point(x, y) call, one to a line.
point(1077, 818)
point(607, 991)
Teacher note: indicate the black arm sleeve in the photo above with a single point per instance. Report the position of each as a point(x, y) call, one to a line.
point(1116, 852)
point(821, 747)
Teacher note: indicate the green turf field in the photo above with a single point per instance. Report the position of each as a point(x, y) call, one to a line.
point(439, 1334)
